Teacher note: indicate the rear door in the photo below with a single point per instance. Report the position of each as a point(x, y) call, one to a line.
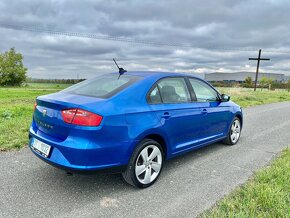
point(171, 100)
point(215, 114)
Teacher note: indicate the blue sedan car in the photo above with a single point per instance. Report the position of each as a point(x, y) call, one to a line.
point(131, 124)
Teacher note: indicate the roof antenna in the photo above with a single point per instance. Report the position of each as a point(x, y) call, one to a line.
point(121, 70)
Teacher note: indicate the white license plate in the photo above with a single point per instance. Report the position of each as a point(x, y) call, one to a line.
point(41, 147)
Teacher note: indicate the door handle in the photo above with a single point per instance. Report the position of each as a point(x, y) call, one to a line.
point(204, 111)
point(166, 115)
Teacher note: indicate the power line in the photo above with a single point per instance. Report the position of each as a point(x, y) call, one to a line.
point(276, 51)
point(88, 35)
point(125, 39)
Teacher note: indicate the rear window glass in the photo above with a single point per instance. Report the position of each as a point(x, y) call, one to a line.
point(103, 86)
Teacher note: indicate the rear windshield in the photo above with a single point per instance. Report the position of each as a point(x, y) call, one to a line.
point(103, 86)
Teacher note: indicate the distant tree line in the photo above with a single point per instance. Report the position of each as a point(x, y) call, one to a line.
point(54, 81)
point(263, 83)
point(13, 73)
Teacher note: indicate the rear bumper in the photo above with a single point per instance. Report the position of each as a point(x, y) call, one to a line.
point(82, 156)
point(81, 170)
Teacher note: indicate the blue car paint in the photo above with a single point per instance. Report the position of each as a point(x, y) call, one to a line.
point(127, 119)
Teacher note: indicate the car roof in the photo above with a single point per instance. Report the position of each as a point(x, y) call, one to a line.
point(156, 74)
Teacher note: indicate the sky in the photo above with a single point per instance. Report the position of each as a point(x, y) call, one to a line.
point(167, 35)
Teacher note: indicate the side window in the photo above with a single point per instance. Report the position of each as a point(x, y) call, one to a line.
point(203, 91)
point(154, 96)
point(173, 90)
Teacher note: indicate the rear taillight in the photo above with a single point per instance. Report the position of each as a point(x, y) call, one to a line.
point(68, 115)
point(81, 117)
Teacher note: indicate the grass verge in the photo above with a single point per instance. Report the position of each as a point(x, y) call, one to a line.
point(267, 194)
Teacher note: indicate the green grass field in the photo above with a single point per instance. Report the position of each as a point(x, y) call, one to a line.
point(247, 97)
point(267, 194)
point(16, 107)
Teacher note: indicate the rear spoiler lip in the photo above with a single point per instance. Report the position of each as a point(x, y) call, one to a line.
point(61, 101)
point(68, 99)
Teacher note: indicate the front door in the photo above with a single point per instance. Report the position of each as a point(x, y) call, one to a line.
point(215, 114)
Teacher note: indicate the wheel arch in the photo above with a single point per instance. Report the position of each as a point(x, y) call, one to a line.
point(238, 115)
point(158, 138)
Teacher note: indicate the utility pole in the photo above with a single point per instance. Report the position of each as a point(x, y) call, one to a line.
point(258, 65)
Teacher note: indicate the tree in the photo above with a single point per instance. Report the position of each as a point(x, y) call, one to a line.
point(263, 82)
point(12, 70)
point(266, 82)
point(270, 83)
point(248, 82)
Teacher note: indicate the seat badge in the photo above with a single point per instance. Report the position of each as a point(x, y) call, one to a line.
point(44, 112)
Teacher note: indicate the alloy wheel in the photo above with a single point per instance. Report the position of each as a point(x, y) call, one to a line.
point(235, 131)
point(148, 164)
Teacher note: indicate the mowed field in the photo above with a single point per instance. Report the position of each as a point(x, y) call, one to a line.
point(16, 107)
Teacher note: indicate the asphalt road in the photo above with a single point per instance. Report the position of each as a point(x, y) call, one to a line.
point(187, 186)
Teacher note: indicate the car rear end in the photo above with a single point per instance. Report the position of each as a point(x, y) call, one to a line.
point(74, 129)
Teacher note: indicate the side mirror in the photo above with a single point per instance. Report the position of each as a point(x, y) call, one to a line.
point(225, 97)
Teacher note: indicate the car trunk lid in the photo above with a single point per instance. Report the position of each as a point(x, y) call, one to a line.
point(47, 114)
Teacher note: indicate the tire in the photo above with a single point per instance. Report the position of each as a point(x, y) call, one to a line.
point(144, 173)
point(234, 132)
